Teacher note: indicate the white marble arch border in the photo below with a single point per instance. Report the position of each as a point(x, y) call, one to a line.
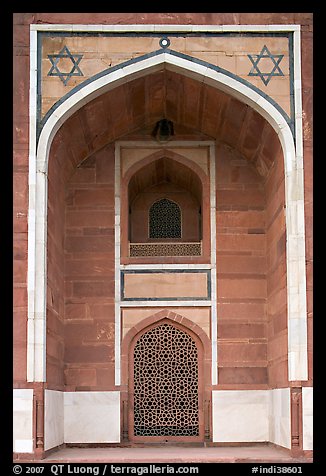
point(293, 165)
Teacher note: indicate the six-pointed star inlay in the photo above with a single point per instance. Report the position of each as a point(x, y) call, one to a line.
point(65, 75)
point(270, 60)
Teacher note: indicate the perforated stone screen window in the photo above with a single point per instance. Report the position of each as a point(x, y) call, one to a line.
point(165, 249)
point(164, 219)
point(166, 383)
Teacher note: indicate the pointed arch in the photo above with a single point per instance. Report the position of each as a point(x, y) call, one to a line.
point(200, 188)
point(165, 385)
point(203, 345)
point(189, 326)
point(202, 72)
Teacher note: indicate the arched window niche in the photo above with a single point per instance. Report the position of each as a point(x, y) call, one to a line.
point(165, 202)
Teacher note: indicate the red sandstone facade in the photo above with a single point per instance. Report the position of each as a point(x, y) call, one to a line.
point(249, 301)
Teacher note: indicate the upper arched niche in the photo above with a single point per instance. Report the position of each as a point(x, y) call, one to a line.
point(170, 182)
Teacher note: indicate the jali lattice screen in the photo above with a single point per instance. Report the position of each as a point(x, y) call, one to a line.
point(165, 219)
point(166, 383)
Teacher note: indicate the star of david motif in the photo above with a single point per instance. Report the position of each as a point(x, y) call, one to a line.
point(274, 61)
point(65, 75)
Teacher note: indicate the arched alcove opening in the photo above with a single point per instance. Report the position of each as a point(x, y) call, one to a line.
point(81, 252)
point(165, 206)
point(75, 262)
point(189, 352)
point(164, 386)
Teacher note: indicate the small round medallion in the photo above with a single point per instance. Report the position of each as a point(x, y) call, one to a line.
point(164, 42)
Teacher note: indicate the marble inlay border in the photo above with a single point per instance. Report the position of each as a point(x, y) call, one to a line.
point(151, 299)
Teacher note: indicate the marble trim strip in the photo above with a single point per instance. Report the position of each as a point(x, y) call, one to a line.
point(165, 304)
point(117, 312)
point(162, 28)
point(212, 158)
point(307, 418)
point(37, 229)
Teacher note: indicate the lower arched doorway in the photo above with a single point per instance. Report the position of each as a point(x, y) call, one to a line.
point(165, 386)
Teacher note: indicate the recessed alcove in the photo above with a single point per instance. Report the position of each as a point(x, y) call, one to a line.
point(165, 203)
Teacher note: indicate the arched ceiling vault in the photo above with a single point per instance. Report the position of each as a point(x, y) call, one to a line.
point(197, 110)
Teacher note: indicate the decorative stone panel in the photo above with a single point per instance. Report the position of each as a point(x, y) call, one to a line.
point(167, 285)
point(164, 249)
point(261, 59)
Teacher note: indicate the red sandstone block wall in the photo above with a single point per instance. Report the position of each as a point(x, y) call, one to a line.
point(89, 274)
point(307, 106)
point(55, 266)
point(276, 274)
point(20, 199)
point(241, 271)
point(251, 272)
